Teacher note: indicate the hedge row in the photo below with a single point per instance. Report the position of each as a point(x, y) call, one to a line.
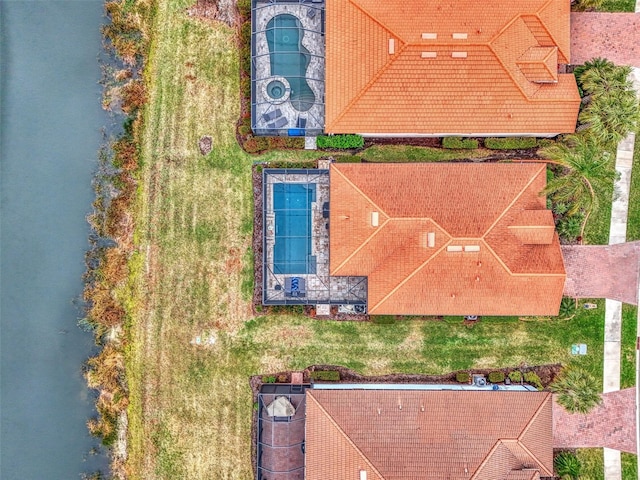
point(460, 143)
point(340, 141)
point(510, 143)
point(325, 375)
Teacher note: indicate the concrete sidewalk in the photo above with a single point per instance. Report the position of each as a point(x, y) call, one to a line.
point(613, 308)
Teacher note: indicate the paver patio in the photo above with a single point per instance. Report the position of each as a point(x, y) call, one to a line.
point(610, 425)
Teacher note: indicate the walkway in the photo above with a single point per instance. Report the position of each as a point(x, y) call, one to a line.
point(603, 271)
point(613, 308)
point(608, 425)
point(615, 36)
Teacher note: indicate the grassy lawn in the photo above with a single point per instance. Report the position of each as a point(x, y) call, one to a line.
point(190, 407)
point(618, 6)
point(593, 464)
point(633, 226)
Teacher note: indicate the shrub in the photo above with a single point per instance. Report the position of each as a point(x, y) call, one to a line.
point(340, 141)
point(532, 378)
point(515, 376)
point(510, 143)
point(268, 379)
point(569, 227)
point(255, 144)
point(577, 390)
point(244, 8)
point(567, 307)
point(496, 377)
point(462, 377)
point(460, 143)
point(567, 466)
point(325, 375)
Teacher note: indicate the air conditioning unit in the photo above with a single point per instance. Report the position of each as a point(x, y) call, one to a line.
point(479, 381)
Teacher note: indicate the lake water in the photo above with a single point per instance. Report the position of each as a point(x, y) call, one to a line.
point(50, 125)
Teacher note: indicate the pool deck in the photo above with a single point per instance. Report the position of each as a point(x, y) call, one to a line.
point(321, 287)
point(313, 41)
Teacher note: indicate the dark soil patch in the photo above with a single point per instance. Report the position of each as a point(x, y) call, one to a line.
point(205, 144)
point(218, 10)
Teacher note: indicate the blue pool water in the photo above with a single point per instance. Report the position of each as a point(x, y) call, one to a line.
point(290, 59)
point(292, 208)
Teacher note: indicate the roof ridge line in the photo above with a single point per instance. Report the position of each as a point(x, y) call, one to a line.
point(537, 14)
point(415, 272)
point(347, 438)
point(486, 459)
point(516, 198)
point(365, 89)
point(384, 27)
point(542, 405)
point(377, 75)
point(509, 74)
point(496, 256)
point(366, 241)
point(535, 459)
point(366, 197)
point(359, 190)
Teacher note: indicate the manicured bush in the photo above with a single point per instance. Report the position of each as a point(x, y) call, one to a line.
point(340, 141)
point(569, 227)
point(496, 377)
point(532, 378)
point(515, 376)
point(325, 375)
point(462, 377)
point(268, 379)
point(460, 143)
point(510, 143)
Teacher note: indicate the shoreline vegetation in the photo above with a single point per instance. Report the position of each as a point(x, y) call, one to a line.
point(172, 262)
point(110, 291)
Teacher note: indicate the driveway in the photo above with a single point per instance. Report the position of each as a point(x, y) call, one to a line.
point(602, 271)
point(611, 425)
point(615, 36)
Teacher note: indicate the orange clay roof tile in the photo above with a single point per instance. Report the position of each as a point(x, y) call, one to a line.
point(414, 435)
point(454, 67)
point(492, 249)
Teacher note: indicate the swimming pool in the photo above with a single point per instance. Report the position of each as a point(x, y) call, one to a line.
point(290, 59)
point(292, 208)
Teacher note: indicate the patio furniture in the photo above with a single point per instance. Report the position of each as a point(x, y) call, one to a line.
point(279, 123)
point(269, 116)
point(311, 13)
point(325, 210)
point(301, 122)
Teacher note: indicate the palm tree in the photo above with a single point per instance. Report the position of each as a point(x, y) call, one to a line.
point(612, 109)
point(588, 173)
point(577, 391)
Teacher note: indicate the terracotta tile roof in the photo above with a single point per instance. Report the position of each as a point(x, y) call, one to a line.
point(493, 248)
point(410, 434)
point(409, 66)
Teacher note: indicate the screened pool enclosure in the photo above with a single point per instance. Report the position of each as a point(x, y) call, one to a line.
point(287, 67)
point(296, 242)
